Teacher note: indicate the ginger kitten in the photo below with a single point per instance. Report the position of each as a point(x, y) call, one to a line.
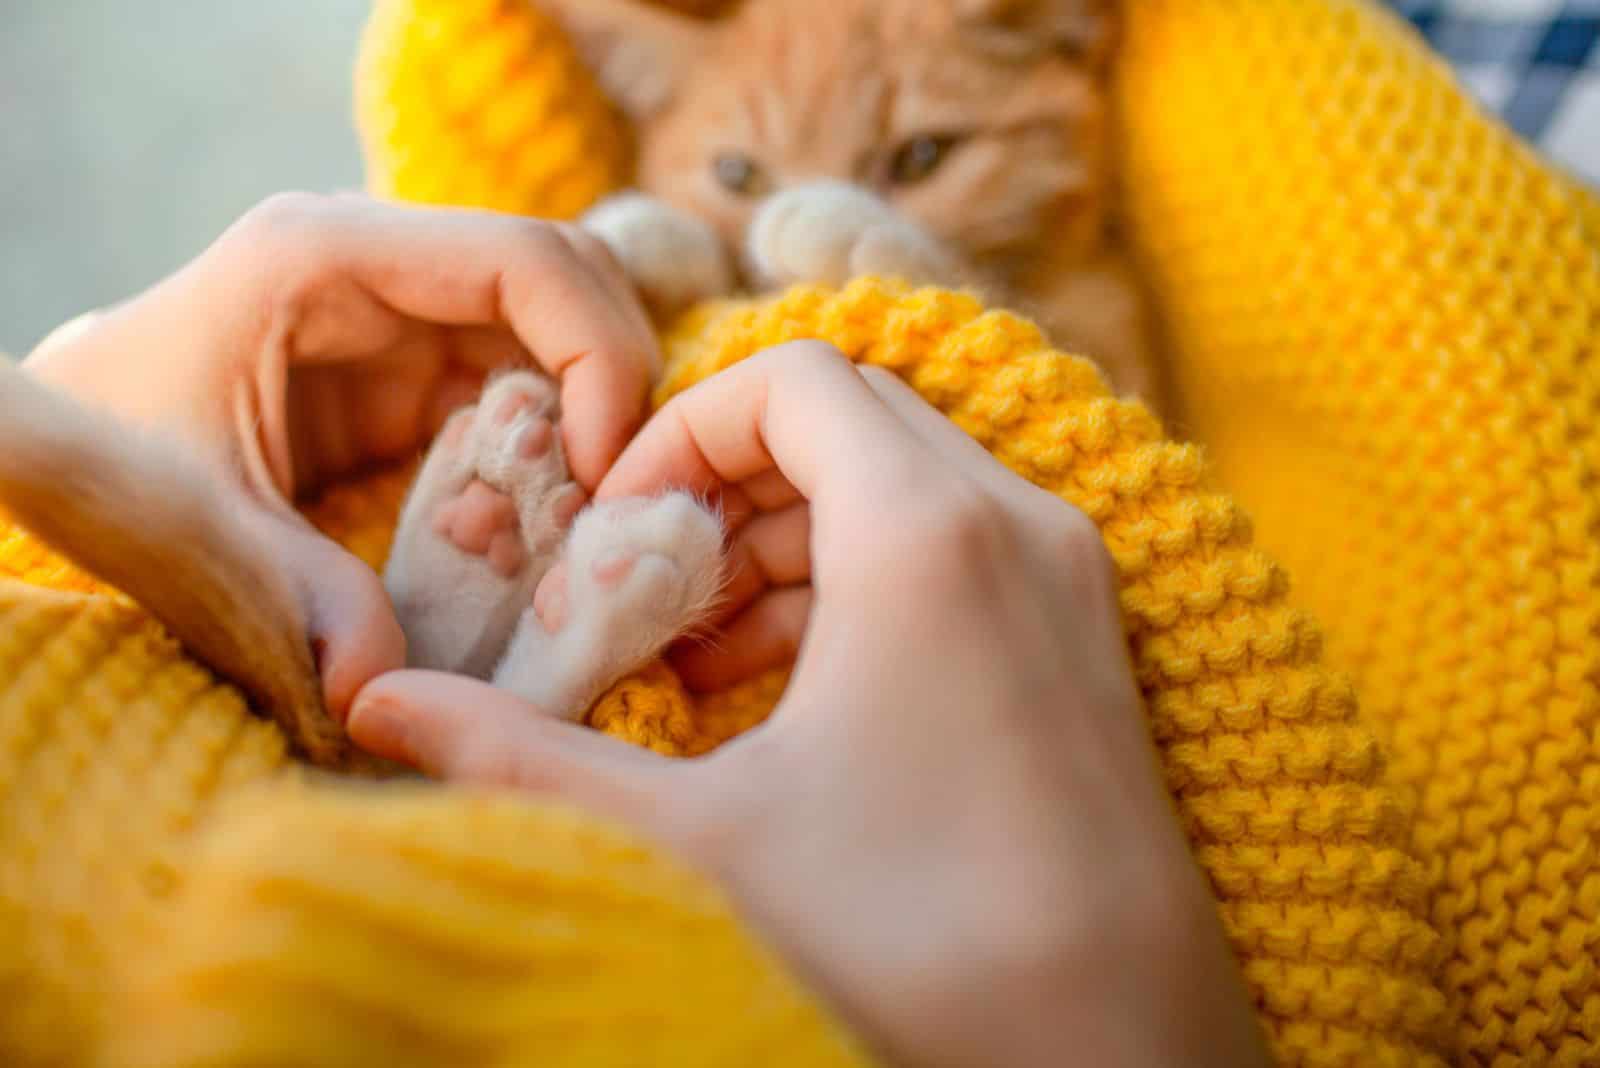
point(953, 142)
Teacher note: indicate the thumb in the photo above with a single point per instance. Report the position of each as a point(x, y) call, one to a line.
point(350, 623)
point(465, 731)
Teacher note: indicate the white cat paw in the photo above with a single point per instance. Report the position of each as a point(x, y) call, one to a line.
point(635, 576)
point(831, 232)
point(674, 259)
point(484, 521)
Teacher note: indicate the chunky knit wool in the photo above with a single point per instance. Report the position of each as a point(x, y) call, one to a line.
point(1388, 313)
point(1384, 312)
point(174, 893)
point(1194, 588)
point(1278, 782)
point(483, 103)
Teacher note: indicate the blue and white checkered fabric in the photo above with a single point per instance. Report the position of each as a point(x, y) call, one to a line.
point(1535, 62)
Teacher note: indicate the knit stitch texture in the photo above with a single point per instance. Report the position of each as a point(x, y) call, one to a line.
point(1384, 311)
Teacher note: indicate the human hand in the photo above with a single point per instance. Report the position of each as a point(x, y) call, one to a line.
point(322, 335)
point(953, 824)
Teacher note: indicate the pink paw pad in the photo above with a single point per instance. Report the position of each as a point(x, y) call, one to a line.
point(613, 570)
point(550, 599)
point(535, 439)
point(506, 554)
point(474, 521)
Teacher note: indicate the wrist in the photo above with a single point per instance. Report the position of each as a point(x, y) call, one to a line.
point(1150, 984)
point(1144, 982)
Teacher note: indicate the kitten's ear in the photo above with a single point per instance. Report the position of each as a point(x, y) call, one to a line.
point(639, 51)
point(1083, 29)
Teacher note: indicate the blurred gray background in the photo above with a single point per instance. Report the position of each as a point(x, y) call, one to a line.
point(133, 131)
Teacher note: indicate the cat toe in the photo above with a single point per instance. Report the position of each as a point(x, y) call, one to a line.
point(472, 521)
point(658, 558)
point(674, 259)
point(635, 575)
point(517, 450)
point(807, 233)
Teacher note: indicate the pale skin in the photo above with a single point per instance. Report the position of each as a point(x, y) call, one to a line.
point(498, 571)
point(340, 333)
point(962, 749)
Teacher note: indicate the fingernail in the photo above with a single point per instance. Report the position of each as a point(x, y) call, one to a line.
point(377, 726)
point(319, 660)
point(614, 569)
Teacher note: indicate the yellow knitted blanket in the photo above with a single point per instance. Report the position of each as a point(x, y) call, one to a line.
point(1385, 313)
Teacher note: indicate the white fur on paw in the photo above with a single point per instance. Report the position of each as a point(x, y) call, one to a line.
point(830, 232)
point(675, 548)
point(635, 575)
point(483, 522)
point(516, 443)
point(673, 258)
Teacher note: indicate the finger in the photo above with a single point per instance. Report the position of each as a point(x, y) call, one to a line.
point(801, 409)
point(486, 348)
point(1048, 523)
point(949, 441)
point(468, 268)
point(352, 628)
point(770, 491)
point(772, 550)
point(382, 405)
point(319, 437)
point(599, 258)
point(959, 449)
point(766, 635)
point(349, 620)
point(603, 402)
point(734, 505)
point(465, 731)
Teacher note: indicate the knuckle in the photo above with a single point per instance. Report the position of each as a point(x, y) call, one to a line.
point(964, 523)
point(284, 215)
point(1081, 540)
point(542, 240)
point(589, 247)
point(879, 377)
point(1082, 548)
point(807, 357)
point(288, 240)
point(938, 534)
point(481, 762)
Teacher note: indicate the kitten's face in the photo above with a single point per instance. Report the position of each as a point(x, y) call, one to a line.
point(984, 120)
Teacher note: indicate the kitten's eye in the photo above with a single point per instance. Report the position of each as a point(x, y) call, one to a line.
point(738, 173)
point(919, 157)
